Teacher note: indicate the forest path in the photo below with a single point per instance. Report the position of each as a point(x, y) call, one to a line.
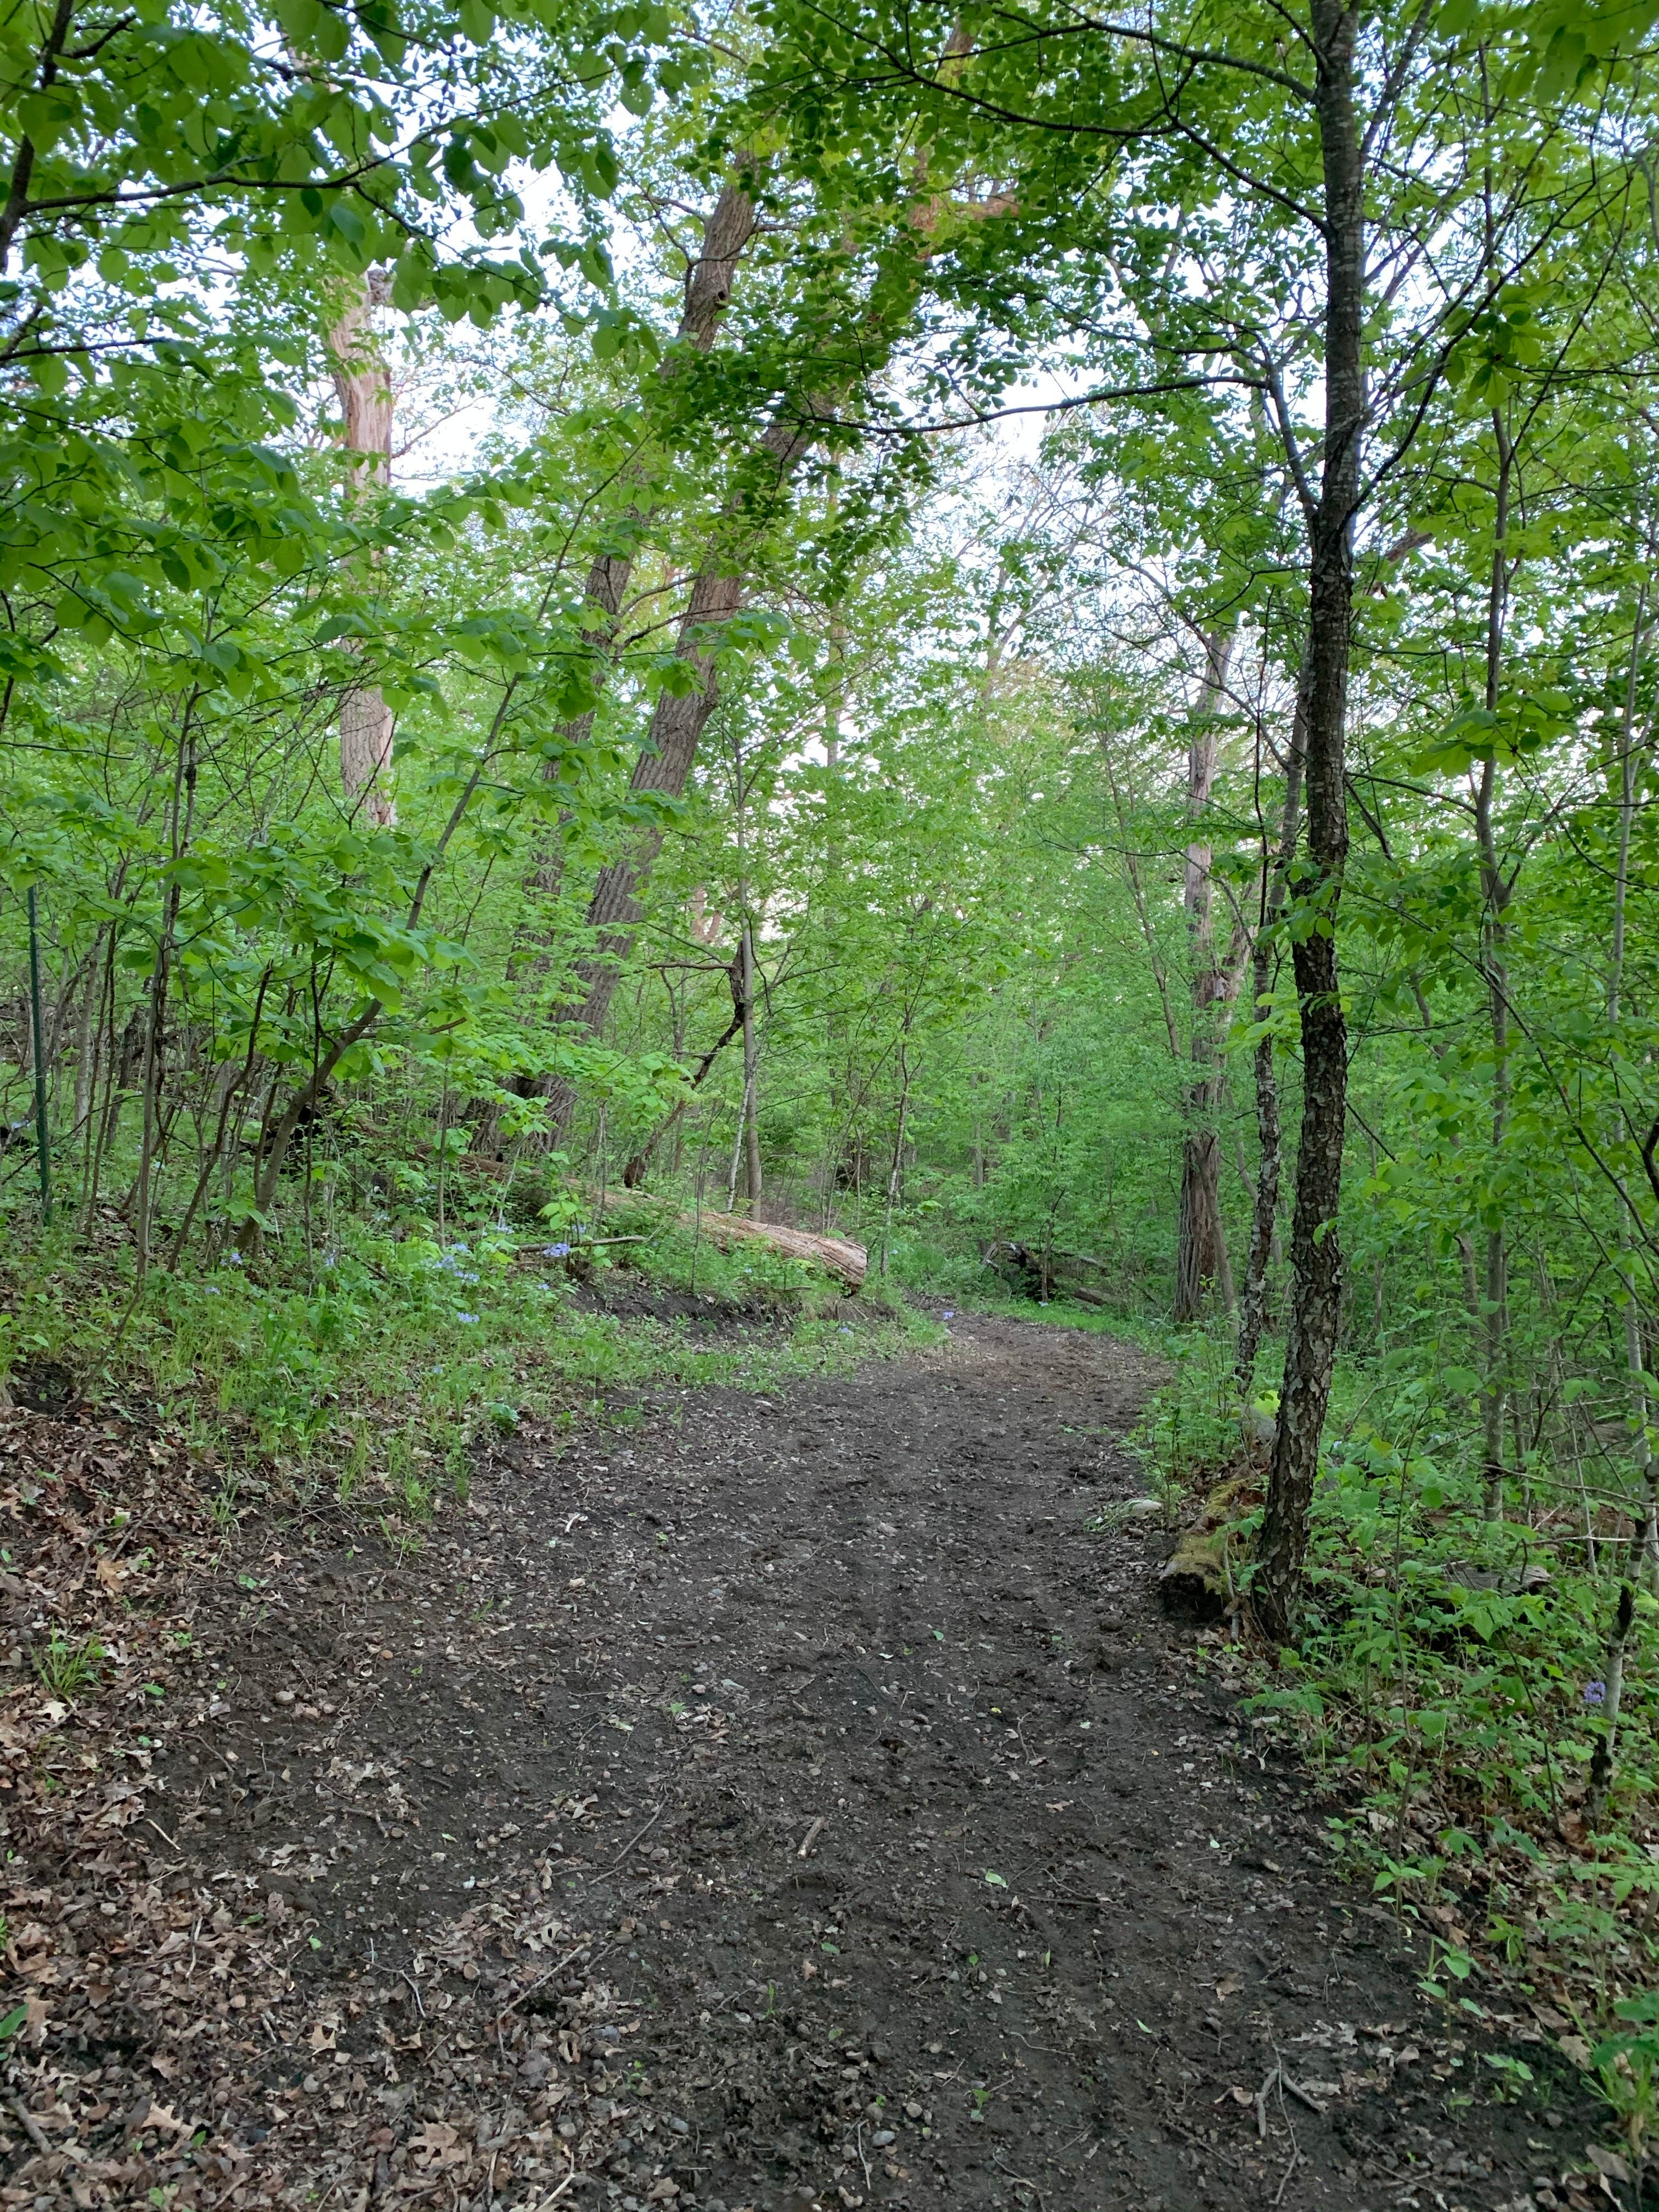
point(923, 1867)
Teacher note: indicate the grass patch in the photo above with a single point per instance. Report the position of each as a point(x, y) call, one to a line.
point(1448, 1689)
point(371, 1375)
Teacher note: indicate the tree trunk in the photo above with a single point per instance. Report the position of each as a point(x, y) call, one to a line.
point(663, 766)
point(739, 981)
point(751, 1097)
point(1635, 1363)
point(1269, 1143)
point(1494, 940)
point(152, 1138)
point(726, 231)
point(1201, 1241)
point(363, 384)
point(1316, 1255)
point(86, 1017)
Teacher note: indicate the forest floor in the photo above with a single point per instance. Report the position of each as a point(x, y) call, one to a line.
point(768, 1801)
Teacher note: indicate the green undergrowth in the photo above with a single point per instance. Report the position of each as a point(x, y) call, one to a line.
point(1128, 1325)
point(370, 1375)
point(1448, 1689)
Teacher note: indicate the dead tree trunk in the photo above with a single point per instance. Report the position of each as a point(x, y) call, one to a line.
point(363, 384)
point(1201, 1263)
point(1316, 1253)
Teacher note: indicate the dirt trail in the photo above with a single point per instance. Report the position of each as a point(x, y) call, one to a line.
point(905, 1856)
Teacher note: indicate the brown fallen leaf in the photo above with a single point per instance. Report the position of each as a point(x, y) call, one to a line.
point(1608, 2163)
point(435, 2139)
point(1230, 1988)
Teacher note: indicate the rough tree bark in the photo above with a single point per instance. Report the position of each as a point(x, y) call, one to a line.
point(1316, 1255)
point(362, 382)
point(727, 228)
point(1201, 1261)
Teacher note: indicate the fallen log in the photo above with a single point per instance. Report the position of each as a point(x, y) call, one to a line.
point(1195, 1581)
point(1088, 1260)
point(847, 1262)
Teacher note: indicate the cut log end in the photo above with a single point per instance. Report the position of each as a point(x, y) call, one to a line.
point(1193, 1582)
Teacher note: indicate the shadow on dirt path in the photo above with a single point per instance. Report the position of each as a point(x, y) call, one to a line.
point(790, 1802)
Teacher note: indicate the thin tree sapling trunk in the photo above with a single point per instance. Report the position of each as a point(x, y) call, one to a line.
point(1201, 1263)
point(1634, 1365)
point(1602, 1759)
point(1253, 1312)
point(751, 1074)
point(1494, 940)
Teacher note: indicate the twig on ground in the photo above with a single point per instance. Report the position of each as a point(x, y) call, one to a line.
point(1260, 2101)
point(1300, 2093)
point(1019, 2180)
point(416, 1987)
point(1049, 2049)
point(31, 2126)
point(540, 1983)
point(163, 1834)
point(569, 2182)
point(810, 1838)
point(629, 1845)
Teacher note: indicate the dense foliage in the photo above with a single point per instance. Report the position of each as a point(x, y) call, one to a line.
point(964, 626)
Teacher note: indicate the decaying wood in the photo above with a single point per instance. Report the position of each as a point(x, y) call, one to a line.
point(1037, 1272)
point(844, 1261)
point(1195, 1582)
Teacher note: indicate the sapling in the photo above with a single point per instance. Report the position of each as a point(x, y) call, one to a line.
point(1602, 1763)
